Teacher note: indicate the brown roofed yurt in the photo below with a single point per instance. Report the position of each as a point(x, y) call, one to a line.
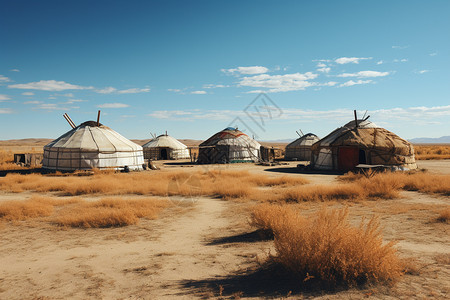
point(350, 145)
point(229, 146)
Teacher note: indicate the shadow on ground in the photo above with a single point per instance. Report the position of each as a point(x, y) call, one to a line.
point(294, 170)
point(269, 280)
point(248, 237)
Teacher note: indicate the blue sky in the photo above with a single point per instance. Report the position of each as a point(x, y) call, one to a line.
point(194, 67)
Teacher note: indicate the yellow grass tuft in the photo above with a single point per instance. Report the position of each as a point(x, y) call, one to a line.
point(110, 212)
point(327, 248)
point(22, 210)
point(444, 216)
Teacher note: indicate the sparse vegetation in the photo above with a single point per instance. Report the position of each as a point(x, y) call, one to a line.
point(75, 212)
point(394, 181)
point(110, 212)
point(324, 247)
point(427, 152)
point(444, 215)
point(22, 210)
point(226, 184)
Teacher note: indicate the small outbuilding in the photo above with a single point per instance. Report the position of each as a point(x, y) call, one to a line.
point(165, 147)
point(300, 149)
point(229, 146)
point(361, 142)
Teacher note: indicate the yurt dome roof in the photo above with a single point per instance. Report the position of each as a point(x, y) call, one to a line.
point(89, 136)
point(230, 135)
point(307, 139)
point(165, 141)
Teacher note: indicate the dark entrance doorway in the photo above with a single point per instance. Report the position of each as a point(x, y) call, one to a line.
point(362, 157)
point(164, 154)
point(348, 158)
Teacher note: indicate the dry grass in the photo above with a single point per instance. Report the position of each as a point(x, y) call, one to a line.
point(110, 212)
point(226, 184)
point(75, 212)
point(444, 215)
point(427, 152)
point(22, 210)
point(414, 181)
point(324, 247)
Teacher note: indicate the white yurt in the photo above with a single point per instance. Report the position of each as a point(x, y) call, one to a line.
point(229, 146)
point(361, 142)
point(165, 147)
point(92, 145)
point(300, 149)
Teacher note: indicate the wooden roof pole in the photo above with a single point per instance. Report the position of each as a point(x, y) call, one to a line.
point(98, 118)
point(66, 116)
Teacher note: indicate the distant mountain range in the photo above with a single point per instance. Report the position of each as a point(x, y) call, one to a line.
point(441, 140)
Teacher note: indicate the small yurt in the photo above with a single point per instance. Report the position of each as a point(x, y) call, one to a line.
point(300, 149)
point(361, 142)
point(92, 145)
point(229, 146)
point(165, 147)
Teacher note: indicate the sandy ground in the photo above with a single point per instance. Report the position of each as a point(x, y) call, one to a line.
point(204, 248)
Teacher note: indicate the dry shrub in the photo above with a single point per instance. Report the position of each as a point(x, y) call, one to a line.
point(22, 210)
point(427, 152)
point(110, 212)
point(326, 248)
point(444, 216)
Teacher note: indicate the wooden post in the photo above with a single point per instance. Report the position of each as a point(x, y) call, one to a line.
point(356, 119)
point(66, 116)
point(98, 118)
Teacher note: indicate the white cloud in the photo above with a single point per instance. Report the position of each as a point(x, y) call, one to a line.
point(351, 82)
point(4, 79)
point(51, 106)
point(422, 71)
point(280, 83)
point(110, 90)
point(380, 62)
point(433, 54)
point(329, 83)
point(324, 70)
point(174, 90)
point(364, 74)
point(71, 101)
point(113, 105)
point(134, 91)
point(5, 111)
point(400, 47)
point(70, 95)
point(33, 102)
point(4, 97)
point(28, 93)
point(213, 86)
point(106, 90)
point(380, 116)
point(321, 65)
point(401, 60)
point(48, 85)
point(348, 60)
point(198, 92)
point(15, 70)
point(247, 70)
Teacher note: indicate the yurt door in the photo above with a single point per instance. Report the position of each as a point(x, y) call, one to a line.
point(348, 158)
